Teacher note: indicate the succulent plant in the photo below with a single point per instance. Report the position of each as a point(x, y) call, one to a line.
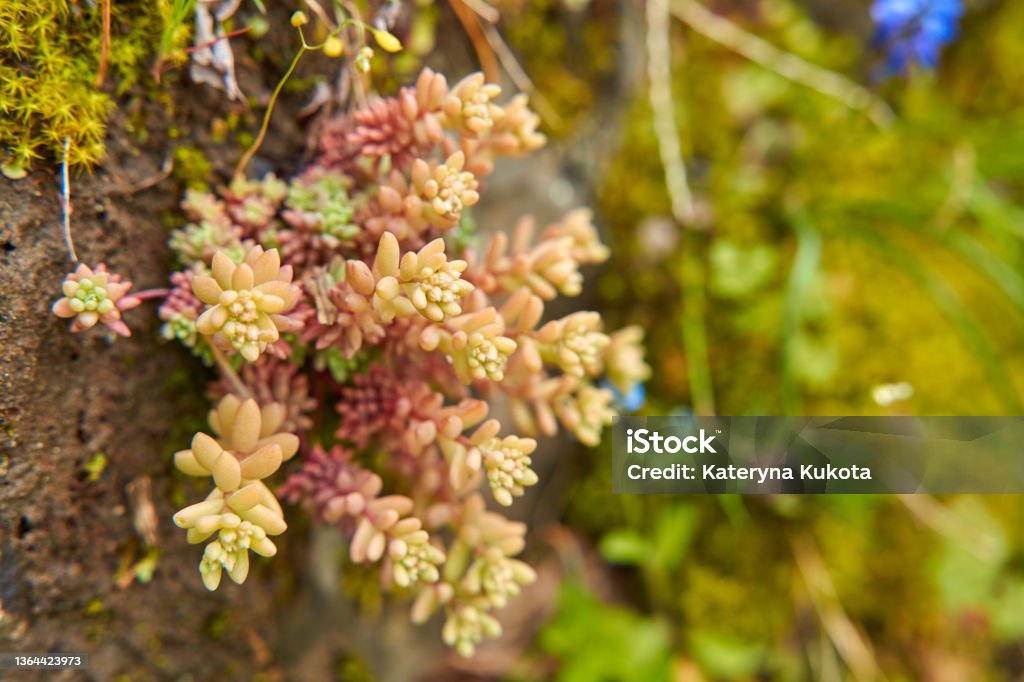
point(247, 301)
point(241, 510)
point(414, 325)
point(92, 296)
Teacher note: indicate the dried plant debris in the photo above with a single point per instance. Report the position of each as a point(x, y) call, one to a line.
point(213, 62)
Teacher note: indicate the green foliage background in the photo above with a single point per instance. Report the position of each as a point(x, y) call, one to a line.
point(834, 256)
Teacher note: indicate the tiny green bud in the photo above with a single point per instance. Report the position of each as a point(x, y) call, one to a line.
point(13, 170)
point(258, 27)
point(299, 19)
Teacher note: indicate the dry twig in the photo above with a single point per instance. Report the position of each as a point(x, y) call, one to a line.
point(474, 29)
point(845, 636)
point(101, 74)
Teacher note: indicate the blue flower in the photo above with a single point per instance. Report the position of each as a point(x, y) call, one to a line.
point(632, 401)
point(912, 31)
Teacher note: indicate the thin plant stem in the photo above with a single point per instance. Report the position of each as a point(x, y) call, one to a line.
point(229, 371)
point(66, 201)
point(150, 294)
point(484, 53)
point(853, 648)
point(944, 521)
point(211, 43)
point(517, 73)
point(659, 76)
point(801, 278)
point(692, 274)
point(319, 11)
point(484, 11)
point(244, 161)
point(359, 82)
point(101, 73)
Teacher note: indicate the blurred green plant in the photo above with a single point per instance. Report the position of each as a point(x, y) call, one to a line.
point(835, 249)
point(596, 641)
point(175, 32)
point(831, 238)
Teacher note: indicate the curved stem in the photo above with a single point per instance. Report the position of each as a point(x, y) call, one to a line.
point(659, 76)
point(693, 245)
point(244, 161)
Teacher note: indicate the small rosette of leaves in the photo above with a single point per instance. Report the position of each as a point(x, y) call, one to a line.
point(95, 296)
point(241, 510)
point(247, 301)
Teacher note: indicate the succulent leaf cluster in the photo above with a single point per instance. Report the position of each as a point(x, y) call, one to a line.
point(241, 511)
point(360, 266)
point(247, 301)
point(95, 295)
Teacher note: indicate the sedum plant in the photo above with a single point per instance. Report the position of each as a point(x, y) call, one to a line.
point(356, 283)
point(241, 511)
point(95, 295)
point(246, 301)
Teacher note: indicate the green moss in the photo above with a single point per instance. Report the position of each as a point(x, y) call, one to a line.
point(48, 72)
point(217, 624)
point(192, 168)
point(95, 608)
point(912, 223)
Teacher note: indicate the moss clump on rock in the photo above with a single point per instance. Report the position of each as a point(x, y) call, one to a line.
point(48, 75)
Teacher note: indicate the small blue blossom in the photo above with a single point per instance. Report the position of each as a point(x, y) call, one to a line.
point(632, 401)
point(914, 31)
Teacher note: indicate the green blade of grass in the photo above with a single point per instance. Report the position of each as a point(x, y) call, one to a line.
point(1002, 274)
point(801, 275)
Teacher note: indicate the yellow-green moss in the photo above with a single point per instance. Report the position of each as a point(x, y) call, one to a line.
point(48, 71)
point(192, 168)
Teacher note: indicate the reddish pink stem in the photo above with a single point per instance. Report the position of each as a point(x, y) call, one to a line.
point(151, 293)
point(211, 43)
